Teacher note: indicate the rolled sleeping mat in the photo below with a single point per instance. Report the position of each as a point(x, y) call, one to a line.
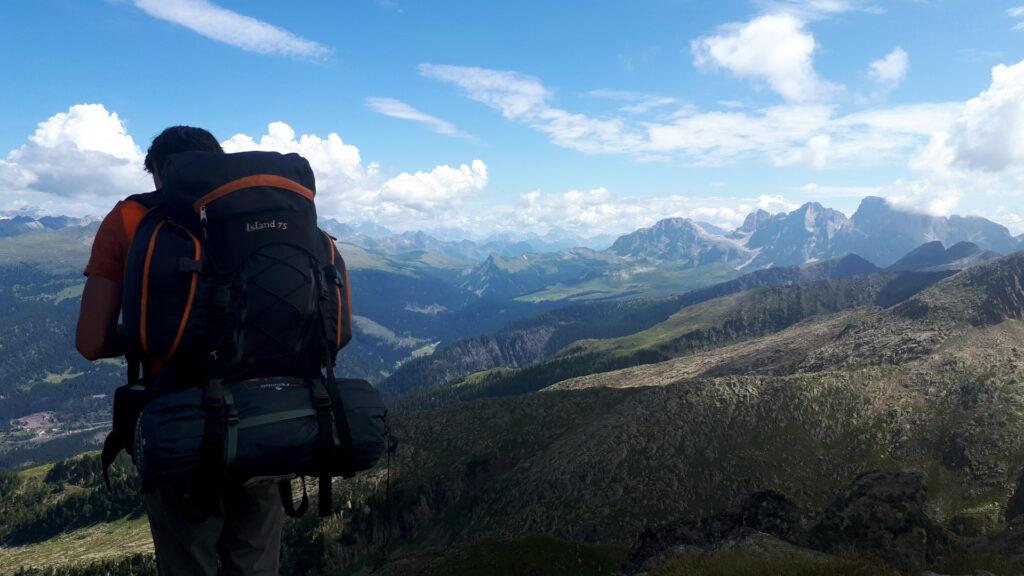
point(271, 430)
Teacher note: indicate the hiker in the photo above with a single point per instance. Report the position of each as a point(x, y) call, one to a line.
point(246, 538)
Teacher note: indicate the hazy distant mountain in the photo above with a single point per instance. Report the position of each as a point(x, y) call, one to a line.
point(371, 229)
point(877, 231)
point(507, 277)
point(18, 224)
point(680, 239)
point(709, 227)
point(882, 233)
point(339, 230)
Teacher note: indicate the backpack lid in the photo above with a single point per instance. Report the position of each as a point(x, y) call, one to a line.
point(193, 179)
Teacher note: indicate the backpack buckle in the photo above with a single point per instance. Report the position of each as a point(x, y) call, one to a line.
point(332, 275)
point(213, 396)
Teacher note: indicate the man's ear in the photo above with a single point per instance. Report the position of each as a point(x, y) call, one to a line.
point(156, 179)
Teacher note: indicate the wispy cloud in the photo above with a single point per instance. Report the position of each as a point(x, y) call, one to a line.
point(390, 5)
point(1016, 12)
point(634, 102)
point(232, 28)
point(401, 110)
point(813, 9)
point(792, 134)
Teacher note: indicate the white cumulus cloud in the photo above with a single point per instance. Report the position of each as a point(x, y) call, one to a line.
point(773, 48)
point(223, 25)
point(598, 211)
point(73, 161)
point(989, 134)
point(891, 69)
point(442, 185)
point(349, 189)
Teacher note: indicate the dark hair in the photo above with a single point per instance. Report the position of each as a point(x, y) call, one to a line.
point(179, 139)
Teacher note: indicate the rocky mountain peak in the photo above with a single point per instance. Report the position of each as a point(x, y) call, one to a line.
point(678, 239)
point(871, 208)
point(753, 221)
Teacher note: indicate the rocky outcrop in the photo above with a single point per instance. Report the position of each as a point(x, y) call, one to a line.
point(767, 512)
point(883, 513)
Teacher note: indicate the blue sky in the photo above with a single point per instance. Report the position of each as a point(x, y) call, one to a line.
point(593, 116)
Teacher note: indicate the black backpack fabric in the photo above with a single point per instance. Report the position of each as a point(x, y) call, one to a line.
point(228, 282)
point(229, 274)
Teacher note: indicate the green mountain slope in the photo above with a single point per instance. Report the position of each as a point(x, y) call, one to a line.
point(530, 340)
point(931, 385)
point(702, 326)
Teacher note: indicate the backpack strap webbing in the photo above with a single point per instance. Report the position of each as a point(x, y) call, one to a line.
point(288, 501)
point(325, 445)
point(112, 446)
point(205, 488)
point(118, 438)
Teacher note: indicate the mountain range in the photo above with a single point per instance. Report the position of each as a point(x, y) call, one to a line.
point(431, 312)
point(876, 231)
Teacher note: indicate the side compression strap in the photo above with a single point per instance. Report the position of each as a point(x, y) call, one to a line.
point(120, 438)
point(209, 473)
point(325, 445)
point(112, 445)
point(288, 502)
point(341, 422)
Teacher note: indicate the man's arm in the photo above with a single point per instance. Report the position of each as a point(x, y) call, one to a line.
point(97, 335)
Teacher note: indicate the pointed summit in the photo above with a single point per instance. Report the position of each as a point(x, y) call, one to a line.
point(753, 221)
point(804, 235)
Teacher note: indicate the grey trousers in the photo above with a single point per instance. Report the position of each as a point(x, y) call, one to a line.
point(246, 540)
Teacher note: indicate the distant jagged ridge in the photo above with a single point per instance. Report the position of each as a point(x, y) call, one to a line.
point(877, 231)
point(16, 225)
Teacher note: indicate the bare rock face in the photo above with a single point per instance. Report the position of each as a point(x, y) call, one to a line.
point(883, 512)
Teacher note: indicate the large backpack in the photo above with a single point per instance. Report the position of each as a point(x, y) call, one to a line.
point(228, 282)
point(230, 275)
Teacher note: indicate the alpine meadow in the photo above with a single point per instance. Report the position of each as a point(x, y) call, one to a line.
point(596, 288)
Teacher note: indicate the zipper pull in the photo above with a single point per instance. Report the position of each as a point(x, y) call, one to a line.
point(202, 221)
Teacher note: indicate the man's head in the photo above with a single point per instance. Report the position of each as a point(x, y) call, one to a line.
point(174, 140)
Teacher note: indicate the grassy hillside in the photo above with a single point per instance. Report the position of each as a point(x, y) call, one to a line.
point(529, 341)
point(60, 514)
point(705, 325)
point(639, 279)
